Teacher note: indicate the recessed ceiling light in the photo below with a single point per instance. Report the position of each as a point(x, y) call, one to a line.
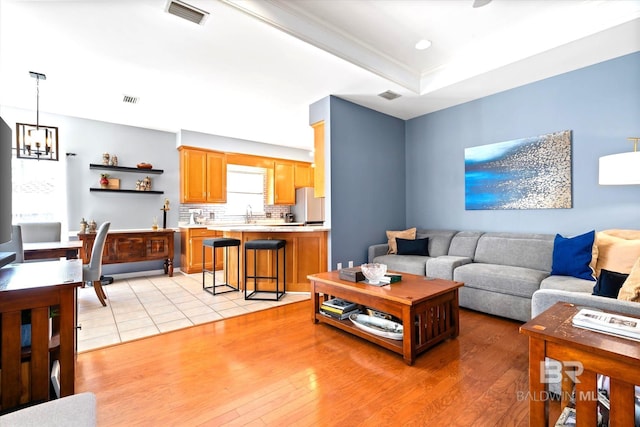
point(423, 44)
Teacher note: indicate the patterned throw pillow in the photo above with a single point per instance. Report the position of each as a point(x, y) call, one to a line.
point(405, 234)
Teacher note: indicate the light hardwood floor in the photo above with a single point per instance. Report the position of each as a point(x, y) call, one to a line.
point(275, 367)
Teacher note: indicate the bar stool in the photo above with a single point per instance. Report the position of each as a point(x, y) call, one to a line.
point(269, 245)
point(220, 242)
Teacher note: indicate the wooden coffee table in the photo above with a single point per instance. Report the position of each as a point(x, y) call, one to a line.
point(429, 304)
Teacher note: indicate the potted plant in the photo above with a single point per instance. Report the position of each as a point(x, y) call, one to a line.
point(104, 180)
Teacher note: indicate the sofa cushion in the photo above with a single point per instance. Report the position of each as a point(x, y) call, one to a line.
point(405, 234)
point(439, 240)
point(630, 290)
point(609, 283)
point(567, 283)
point(526, 250)
point(413, 247)
point(572, 256)
point(442, 267)
point(502, 279)
point(617, 251)
point(464, 243)
point(413, 264)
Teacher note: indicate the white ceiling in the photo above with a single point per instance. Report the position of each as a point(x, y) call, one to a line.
point(255, 66)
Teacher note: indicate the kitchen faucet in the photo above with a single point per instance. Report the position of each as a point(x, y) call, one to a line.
point(249, 214)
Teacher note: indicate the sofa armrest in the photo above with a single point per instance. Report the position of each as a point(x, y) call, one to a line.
point(442, 267)
point(377, 250)
point(542, 299)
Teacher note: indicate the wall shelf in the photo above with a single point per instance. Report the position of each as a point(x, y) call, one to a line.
point(113, 190)
point(125, 169)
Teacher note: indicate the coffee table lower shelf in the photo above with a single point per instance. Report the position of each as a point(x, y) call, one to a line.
point(347, 326)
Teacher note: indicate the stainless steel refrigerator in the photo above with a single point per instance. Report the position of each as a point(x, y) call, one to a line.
point(308, 209)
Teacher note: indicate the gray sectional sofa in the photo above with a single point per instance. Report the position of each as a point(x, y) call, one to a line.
point(504, 274)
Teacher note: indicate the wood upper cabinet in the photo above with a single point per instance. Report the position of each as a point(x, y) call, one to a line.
point(284, 190)
point(216, 177)
point(318, 159)
point(203, 176)
point(302, 175)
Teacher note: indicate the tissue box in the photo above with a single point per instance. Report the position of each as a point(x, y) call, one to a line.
point(353, 274)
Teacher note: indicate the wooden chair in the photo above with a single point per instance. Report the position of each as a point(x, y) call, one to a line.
point(91, 272)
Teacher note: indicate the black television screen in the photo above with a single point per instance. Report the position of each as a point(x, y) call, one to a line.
point(5, 182)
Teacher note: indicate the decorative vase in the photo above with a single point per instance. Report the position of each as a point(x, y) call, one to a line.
point(104, 180)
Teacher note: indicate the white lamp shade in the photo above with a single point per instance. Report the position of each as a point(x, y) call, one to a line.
point(620, 169)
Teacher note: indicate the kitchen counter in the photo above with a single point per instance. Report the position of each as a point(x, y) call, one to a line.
point(258, 228)
point(306, 249)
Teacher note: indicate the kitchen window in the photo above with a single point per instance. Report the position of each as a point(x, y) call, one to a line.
point(245, 187)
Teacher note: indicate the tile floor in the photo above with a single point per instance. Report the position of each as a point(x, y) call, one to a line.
point(144, 306)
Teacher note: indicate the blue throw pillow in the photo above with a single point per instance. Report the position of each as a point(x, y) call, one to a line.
point(413, 247)
point(609, 283)
point(571, 256)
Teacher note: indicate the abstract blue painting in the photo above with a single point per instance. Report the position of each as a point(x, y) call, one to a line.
point(528, 173)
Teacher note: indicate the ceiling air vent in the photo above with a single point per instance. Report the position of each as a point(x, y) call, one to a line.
point(389, 95)
point(186, 11)
point(128, 99)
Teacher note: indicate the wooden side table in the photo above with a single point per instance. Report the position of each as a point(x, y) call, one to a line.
point(37, 287)
point(551, 334)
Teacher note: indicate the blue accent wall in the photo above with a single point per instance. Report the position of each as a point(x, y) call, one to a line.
point(386, 173)
point(367, 179)
point(600, 104)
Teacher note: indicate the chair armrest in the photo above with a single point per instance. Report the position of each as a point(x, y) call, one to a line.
point(377, 250)
point(442, 267)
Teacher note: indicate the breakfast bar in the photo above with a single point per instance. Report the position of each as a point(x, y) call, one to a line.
point(306, 249)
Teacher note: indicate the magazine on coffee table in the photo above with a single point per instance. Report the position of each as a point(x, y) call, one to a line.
point(608, 323)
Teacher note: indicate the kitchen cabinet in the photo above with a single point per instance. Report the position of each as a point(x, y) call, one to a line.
point(284, 190)
point(302, 175)
point(318, 159)
point(191, 250)
point(203, 176)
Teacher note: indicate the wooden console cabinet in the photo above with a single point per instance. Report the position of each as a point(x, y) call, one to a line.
point(133, 246)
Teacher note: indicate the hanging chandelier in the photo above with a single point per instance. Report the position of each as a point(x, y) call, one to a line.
point(36, 141)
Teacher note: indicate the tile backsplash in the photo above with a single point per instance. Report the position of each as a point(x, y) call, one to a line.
point(217, 212)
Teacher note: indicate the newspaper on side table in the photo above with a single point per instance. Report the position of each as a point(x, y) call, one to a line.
point(614, 324)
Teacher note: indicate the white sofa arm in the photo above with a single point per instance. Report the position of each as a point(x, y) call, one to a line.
point(377, 250)
point(542, 299)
